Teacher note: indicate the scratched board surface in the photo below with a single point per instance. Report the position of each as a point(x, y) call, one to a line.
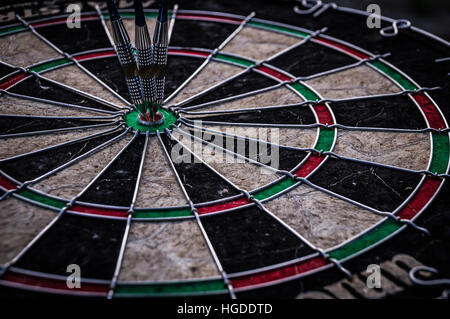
point(302, 155)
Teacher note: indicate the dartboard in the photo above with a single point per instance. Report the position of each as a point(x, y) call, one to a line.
point(299, 146)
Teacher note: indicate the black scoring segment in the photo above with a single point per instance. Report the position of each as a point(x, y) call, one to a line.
point(247, 82)
point(178, 70)
point(33, 165)
point(200, 34)
point(416, 55)
point(381, 188)
point(108, 70)
point(249, 238)
point(117, 183)
point(14, 125)
point(380, 112)
point(290, 158)
point(272, 9)
point(265, 153)
point(311, 58)
point(90, 36)
point(281, 115)
point(200, 182)
point(44, 89)
point(5, 69)
point(91, 243)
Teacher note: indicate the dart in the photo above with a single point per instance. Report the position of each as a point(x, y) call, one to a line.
point(160, 44)
point(125, 54)
point(144, 52)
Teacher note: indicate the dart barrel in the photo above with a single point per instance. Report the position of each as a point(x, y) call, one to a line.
point(160, 46)
point(160, 61)
point(127, 61)
point(144, 54)
point(125, 54)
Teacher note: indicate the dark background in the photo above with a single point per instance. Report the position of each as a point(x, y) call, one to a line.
point(430, 15)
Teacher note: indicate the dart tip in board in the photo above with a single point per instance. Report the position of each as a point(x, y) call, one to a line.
point(113, 12)
point(153, 120)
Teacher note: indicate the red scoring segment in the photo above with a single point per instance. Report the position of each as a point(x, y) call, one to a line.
point(274, 73)
point(279, 273)
point(6, 183)
point(309, 166)
point(323, 114)
point(433, 116)
point(356, 53)
point(11, 80)
point(421, 198)
point(95, 55)
point(18, 279)
point(201, 17)
point(208, 17)
point(61, 21)
point(99, 211)
point(190, 52)
point(224, 206)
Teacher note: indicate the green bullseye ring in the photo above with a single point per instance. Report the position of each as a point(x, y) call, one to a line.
point(131, 120)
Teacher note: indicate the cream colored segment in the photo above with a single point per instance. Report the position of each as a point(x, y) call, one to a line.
point(301, 138)
point(355, 82)
point(20, 222)
point(323, 220)
point(405, 150)
point(70, 181)
point(159, 186)
point(24, 49)
point(20, 145)
point(213, 73)
point(259, 44)
point(75, 77)
point(246, 176)
point(130, 27)
point(18, 106)
point(274, 97)
point(163, 251)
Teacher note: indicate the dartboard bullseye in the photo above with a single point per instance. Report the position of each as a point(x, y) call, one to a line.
point(280, 149)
